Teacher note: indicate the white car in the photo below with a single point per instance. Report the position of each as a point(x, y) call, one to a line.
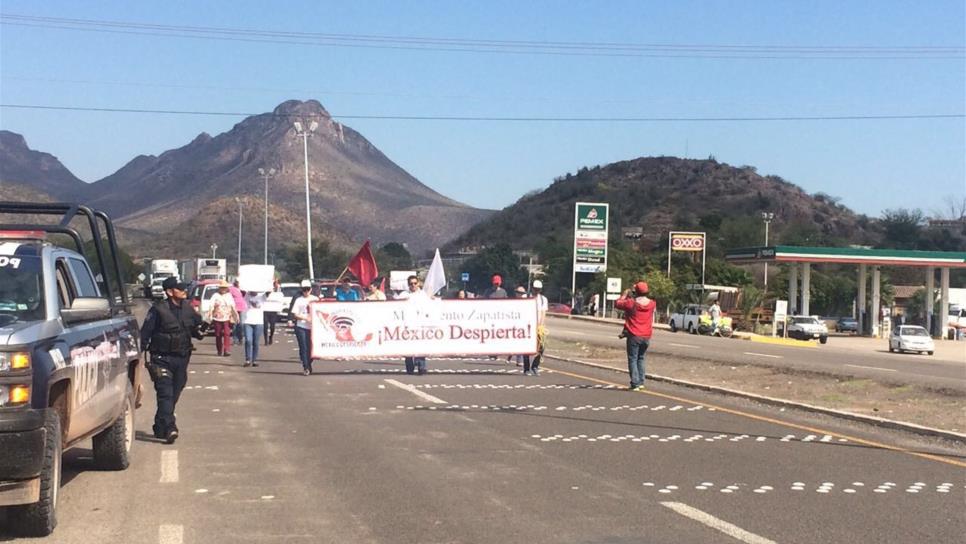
point(289, 290)
point(911, 338)
point(807, 327)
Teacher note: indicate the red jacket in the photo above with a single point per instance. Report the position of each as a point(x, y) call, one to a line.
point(638, 315)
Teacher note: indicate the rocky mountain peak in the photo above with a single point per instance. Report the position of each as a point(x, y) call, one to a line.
point(298, 108)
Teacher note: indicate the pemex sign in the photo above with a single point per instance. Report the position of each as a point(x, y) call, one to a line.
point(590, 237)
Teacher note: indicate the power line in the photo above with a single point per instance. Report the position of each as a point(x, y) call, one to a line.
point(527, 119)
point(615, 49)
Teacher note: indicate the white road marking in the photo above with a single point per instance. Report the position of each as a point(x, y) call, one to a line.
point(763, 355)
point(417, 392)
point(720, 525)
point(170, 534)
point(682, 345)
point(873, 368)
point(169, 467)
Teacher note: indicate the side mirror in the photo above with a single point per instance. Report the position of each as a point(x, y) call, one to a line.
point(86, 309)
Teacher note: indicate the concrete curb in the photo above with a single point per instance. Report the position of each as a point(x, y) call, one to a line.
point(872, 420)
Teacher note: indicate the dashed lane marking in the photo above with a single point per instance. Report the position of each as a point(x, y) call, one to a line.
point(170, 534)
point(763, 355)
point(825, 488)
point(766, 419)
point(873, 368)
point(717, 524)
point(682, 345)
point(664, 438)
point(414, 391)
point(541, 407)
point(169, 467)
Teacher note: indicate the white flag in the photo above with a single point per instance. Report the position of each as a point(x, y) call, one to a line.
point(436, 277)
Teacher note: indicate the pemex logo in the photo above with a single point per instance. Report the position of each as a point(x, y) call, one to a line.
point(341, 325)
point(592, 214)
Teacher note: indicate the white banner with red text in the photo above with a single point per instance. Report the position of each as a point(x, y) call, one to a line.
point(423, 327)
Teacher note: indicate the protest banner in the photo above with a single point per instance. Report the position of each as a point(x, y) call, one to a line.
point(428, 327)
point(258, 278)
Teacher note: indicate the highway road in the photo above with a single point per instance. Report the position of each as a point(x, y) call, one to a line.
point(842, 355)
point(474, 452)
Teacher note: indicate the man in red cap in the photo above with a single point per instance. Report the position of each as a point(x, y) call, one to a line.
point(638, 320)
point(496, 289)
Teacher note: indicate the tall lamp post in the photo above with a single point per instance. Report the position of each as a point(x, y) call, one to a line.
point(238, 200)
point(766, 217)
point(265, 175)
point(214, 248)
point(299, 131)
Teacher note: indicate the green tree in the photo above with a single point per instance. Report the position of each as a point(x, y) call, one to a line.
point(494, 260)
point(902, 227)
point(393, 256)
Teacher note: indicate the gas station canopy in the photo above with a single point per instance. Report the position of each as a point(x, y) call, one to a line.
point(847, 255)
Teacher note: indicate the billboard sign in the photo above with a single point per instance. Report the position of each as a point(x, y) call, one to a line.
point(687, 241)
point(590, 237)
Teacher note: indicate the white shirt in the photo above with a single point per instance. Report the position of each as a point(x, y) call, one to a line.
point(255, 314)
point(417, 295)
point(301, 308)
point(542, 307)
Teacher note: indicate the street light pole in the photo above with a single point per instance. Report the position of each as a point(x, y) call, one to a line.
point(266, 175)
point(308, 218)
point(214, 248)
point(766, 217)
point(238, 200)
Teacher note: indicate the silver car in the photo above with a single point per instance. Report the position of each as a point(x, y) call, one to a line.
point(911, 338)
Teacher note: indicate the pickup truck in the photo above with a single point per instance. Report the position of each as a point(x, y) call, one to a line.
point(69, 357)
point(688, 319)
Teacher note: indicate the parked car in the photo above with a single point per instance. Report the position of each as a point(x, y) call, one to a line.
point(69, 360)
point(911, 338)
point(807, 327)
point(558, 308)
point(847, 324)
point(688, 319)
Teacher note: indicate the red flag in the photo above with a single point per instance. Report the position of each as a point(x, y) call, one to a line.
point(382, 284)
point(363, 265)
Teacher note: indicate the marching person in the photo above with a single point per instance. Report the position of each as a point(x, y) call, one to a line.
point(638, 320)
point(274, 301)
point(531, 364)
point(253, 321)
point(522, 360)
point(496, 289)
point(300, 312)
point(222, 314)
point(715, 312)
point(166, 334)
point(237, 329)
point(414, 294)
point(345, 293)
point(375, 293)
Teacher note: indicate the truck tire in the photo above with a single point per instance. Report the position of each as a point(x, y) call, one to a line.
point(112, 446)
point(823, 339)
point(674, 328)
point(40, 518)
point(691, 328)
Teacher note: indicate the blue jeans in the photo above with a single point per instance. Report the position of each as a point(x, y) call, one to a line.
point(412, 363)
point(636, 353)
point(304, 339)
point(252, 334)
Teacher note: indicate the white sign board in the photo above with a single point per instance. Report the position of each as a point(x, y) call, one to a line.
point(423, 327)
point(781, 313)
point(613, 296)
point(613, 286)
point(256, 277)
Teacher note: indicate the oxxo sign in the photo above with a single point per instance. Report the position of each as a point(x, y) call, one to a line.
point(693, 242)
point(687, 241)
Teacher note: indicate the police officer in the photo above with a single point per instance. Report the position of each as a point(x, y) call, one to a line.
point(166, 334)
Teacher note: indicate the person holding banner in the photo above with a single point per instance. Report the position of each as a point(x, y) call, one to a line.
point(531, 364)
point(414, 294)
point(253, 321)
point(274, 302)
point(638, 320)
point(303, 325)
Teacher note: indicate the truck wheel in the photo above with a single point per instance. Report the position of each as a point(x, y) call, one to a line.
point(112, 446)
point(674, 328)
point(40, 518)
point(823, 339)
point(691, 329)
point(929, 353)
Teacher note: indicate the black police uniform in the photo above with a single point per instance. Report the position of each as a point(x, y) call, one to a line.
point(166, 334)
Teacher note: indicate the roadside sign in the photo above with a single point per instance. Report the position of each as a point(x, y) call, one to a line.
point(781, 313)
point(694, 242)
point(590, 237)
point(465, 277)
point(613, 286)
point(613, 296)
point(142, 277)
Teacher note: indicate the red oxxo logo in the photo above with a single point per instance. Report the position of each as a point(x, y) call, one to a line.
point(687, 243)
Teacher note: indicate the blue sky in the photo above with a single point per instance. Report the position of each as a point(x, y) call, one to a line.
point(871, 165)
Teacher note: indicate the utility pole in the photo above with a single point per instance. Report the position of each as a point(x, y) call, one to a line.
point(308, 218)
point(766, 217)
point(266, 175)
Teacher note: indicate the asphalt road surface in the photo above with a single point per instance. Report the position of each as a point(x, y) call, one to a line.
point(475, 452)
point(840, 356)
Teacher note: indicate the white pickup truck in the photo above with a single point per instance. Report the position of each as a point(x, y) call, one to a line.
point(688, 318)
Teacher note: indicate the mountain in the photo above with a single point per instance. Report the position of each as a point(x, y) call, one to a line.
point(34, 170)
point(660, 194)
point(356, 191)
